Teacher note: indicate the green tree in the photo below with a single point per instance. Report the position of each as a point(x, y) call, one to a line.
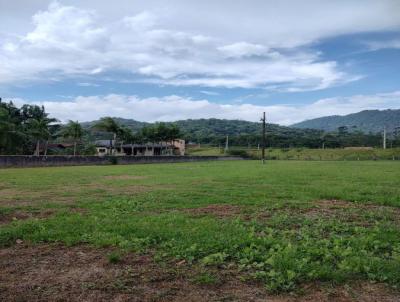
point(39, 128)
point(108, 124)
point(74, 131)
point(11, 132)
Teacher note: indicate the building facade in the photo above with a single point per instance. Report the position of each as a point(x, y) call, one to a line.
point(109, 147)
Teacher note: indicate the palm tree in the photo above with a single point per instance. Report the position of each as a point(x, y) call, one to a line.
point(125, 135)
point(38, 125)
point(39, 129)
point(73, 130)
point(11, 133)
point(108, 124)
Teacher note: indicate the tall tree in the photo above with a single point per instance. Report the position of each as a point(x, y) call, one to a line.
point(74, 131)
point(38, 125)
point(108, 124)
point(11, 132)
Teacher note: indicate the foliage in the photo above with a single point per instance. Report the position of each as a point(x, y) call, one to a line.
point(303, 153)
point(11, 129)
point(206, 279)
point(367, 121)
point(114, 257)
point(74, 131)
point(243, 133)
point(113, 160)
point(23, 129)
point(29, 128)
point(238, 152)
point(160, 132)
point(108, 124)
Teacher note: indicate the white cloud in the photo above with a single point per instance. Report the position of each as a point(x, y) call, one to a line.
point(171, 108)
point(246, 45)
point(85, 84)
point(384, 44)
point(208, 92)
point(243, 49)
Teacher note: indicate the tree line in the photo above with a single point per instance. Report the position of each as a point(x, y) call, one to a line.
point(29, 130)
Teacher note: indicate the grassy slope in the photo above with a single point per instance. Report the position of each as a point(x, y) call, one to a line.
point(308, 154)
point(280, 235)
point(366, 121)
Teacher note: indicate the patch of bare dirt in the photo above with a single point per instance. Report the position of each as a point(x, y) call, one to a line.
point(81, 273)
point(218, 210)
point(350, 210)
point(18, 197)
point(124, 177)
point(65, 194)
point(23, 215)
point(357, 292)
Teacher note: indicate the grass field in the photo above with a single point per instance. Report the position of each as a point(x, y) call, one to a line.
point(307, 154)
point(282, 227)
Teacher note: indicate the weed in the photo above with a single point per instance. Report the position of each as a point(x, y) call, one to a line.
point(114, 257)
point(205, 279)
point(280, 238)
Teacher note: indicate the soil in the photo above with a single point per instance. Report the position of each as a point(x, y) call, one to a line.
point(65, 194)
point(217, 210)
point(23, 215)
point(80, 273)
point(351, 211)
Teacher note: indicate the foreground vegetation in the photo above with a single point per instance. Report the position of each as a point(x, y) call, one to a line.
point(301, 153)
point(284, 223)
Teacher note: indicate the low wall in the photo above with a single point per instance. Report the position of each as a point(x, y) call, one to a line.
point(8, 161)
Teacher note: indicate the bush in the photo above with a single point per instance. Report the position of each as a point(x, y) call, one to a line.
point(113, 160)
point(239, 152)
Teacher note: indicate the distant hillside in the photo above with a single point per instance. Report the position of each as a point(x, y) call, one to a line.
point(240, 132)
point(365, 121)
point(132, 124)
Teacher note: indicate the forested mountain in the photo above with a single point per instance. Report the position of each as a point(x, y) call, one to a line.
point(365, 121)
point(131, 124)
point(243, 133)
point(214, 131)
point(30, 130)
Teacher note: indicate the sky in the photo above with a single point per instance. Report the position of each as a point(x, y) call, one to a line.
point(159, 60)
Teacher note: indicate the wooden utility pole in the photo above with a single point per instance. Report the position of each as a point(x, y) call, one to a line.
point(263, 140)
point(384, 137)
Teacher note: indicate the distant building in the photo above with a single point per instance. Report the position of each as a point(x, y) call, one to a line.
point(109, 147)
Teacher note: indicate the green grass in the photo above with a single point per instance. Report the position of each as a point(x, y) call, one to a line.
point(307, 154)
point(280, 234)
point(206, 279)
point(114, 257)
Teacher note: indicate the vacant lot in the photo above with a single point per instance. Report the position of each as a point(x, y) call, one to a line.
point(214, 231)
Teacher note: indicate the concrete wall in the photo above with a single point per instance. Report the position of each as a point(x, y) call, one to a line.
point(8, 161)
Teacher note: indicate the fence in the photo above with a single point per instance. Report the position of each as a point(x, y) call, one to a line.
point(8, 161)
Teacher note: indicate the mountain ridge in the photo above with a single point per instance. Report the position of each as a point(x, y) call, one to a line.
point(367, 121)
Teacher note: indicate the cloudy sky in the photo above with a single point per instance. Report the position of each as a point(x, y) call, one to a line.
point(168, 60)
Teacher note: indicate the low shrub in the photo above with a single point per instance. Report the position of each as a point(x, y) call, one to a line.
point(239, 152)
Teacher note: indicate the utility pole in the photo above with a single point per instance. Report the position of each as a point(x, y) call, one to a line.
point(384, 137)
point(227, 143)
point(263, 140)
